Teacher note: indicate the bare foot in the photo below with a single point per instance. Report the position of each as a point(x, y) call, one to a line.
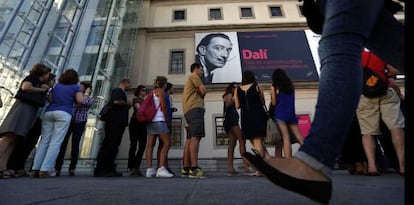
point(296, 168)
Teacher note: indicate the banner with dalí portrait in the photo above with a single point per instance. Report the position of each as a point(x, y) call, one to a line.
point(225, 55)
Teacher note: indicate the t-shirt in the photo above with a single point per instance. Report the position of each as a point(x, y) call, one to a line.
point(191, 98)
point(63, 97)
point(120, 113)
point(34, 79)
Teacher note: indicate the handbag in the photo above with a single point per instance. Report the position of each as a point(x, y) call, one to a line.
point(272, 131)
point(105, 112)
point(37, 99)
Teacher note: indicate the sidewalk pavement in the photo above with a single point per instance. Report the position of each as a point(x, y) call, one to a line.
point(217, 188)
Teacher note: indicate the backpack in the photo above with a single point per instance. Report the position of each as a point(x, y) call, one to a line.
point(147, 110)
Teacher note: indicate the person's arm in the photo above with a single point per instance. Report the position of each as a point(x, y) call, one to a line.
point(236, 99)
point(393, 85)
point(163, 103)
point(202, 90)
point(392, 71)
point(261, 94)
point(117, 99)
point(228, 100)
point(273, 95)
point(28, 87)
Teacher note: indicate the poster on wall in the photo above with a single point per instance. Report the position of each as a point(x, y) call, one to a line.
point(224, 56)
point(218, 53)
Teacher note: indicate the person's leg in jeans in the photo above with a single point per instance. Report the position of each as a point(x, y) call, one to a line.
point(347, 25)
point(78, 130)
point(61, 155)
point(61, 125)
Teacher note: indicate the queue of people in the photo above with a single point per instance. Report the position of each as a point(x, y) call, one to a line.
point(66, 112)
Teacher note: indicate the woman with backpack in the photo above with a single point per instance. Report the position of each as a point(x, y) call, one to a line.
point(158, 127)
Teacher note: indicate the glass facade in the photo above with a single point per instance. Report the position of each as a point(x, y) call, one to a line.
point(96, 38)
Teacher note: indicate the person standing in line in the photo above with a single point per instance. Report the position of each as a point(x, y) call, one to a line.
point(21, 116)
point(346, 26)
point(137, 134)
point(158, 126)
point(232, 128)
point(76, 129)
point(385, 107)
point(282, 93)
point(56, 121)
point(193, 109)
point(249, 98)
point(114, 130)
point(169, 90)
point(21, 152)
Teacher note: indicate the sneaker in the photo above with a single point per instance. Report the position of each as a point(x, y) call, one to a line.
point(150, 173)
point(163, 172)
point(232, 173)
point(197, 174)
point(170, 171)
point(185, 173)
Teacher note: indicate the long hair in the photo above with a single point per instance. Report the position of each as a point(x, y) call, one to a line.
point(229, 88)
point(248, 77)
point(281, 81)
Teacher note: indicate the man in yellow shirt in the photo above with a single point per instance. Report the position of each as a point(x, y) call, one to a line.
point(193, 109)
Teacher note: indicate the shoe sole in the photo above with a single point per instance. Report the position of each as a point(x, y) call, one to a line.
point(317, 191)
point(197, 177)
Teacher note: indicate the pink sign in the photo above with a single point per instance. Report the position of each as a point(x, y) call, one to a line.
point(304, 123)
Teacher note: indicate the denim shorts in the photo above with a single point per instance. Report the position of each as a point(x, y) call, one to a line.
point(156, 128)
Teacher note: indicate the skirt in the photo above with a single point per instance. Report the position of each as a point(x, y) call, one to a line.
point(20, 119)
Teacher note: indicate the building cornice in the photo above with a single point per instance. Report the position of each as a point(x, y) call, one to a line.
point(290, 26)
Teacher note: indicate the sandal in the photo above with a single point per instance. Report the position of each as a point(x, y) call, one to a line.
point(20, 173)
point(5, 174)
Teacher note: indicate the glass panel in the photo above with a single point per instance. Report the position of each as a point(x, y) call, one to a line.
point(176, 131)
point(177, 62)
point(215, 14)
point(221, 136)
point(275, 11)
point(179, 15)
point(246, 12)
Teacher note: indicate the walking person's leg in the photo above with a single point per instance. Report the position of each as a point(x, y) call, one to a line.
point(307, 173)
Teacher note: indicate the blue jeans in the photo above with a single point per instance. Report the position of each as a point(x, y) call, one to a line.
point(54, 127)
point(350, 25)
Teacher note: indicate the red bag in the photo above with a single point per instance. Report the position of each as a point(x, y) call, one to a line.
point(147, 110)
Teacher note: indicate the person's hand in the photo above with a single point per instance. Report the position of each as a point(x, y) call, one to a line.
point(88, 91)
point(129, 102)
point(44, 87)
